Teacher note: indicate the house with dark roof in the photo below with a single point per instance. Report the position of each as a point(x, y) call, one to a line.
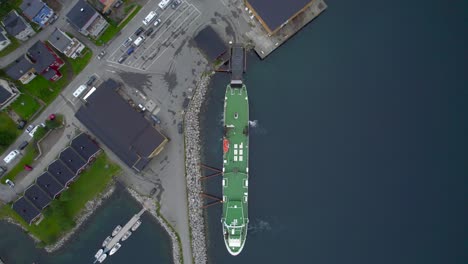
point(70, 47)
point(273, 15)
point(8, 93)
point(17, 27)
point(61, 172)
point(74, 162)
point(86, 19)
point(40, 59)
point(85, 147)
point(26, 210)
point(4, 40)
point(37, 11)
point(50, 185)
point(37, 197)
point(120, 127)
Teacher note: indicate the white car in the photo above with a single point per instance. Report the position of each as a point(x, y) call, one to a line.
point(156, 23)
point(11, 156)
point(10, 183)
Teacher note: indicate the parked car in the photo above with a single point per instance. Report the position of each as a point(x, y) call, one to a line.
point(139, 31)
point(118, 3)
point(3, 169)
point(27, 167)
point(10, 183)
point(180, 128)
point(21, 124)
point(52, 117)
point(122, 59)
point(29, 128)
point(141, 107)
point(138, 41)
point(157, 22)
point(11, 156)
point(101, 55)
point(175, 4)
point(23, 145)
point(127, 42)
point(91, 79)
point(156, 119)
point(149, 32)
point(130, 50)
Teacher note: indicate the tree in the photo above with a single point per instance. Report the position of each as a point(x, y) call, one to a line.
point(6, 138)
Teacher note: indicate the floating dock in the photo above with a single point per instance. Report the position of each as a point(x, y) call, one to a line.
point(124, 230)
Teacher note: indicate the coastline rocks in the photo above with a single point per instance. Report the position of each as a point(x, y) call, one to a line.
point(193, 174)
point(151, 208)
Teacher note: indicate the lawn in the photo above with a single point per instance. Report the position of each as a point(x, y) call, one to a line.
point(28, 157)
point(59, 216)
point(79, 64)
point(113, 29)
point(25, 106)
point(13, 45)
point(8, 131)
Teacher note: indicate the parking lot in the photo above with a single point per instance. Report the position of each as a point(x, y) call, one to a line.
point(173, 23)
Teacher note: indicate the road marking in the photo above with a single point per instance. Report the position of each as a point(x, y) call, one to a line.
point(110, 71)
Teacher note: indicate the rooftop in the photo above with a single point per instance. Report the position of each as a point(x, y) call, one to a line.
point(120, 127)
point(37, 197)
point(275, 13)
point(30, 8)
point(13, 23)
point(41, 56)
point(26, 210)
point(84, 146)
point(72, 160)
point(49, 184)
point(19, 67)
point(59, 40)
point(80, 14)
point(60, 172)
point(4, 94)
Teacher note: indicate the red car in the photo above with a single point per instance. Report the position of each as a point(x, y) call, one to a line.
point(51, 117)
point(28, 168)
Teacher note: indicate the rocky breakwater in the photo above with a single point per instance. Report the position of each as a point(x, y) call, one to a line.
point(193, 173)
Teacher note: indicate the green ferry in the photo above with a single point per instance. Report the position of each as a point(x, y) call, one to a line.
point(235, 167)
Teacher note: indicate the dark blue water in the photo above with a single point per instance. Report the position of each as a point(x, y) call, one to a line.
point(149, 244)
point(360, 154)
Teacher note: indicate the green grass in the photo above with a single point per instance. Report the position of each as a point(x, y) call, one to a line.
point(25, 106)
point(10, 48)
point(7, 127)
point(28, 157)
point(80, 63)
point(59, 216)
point(112, 29)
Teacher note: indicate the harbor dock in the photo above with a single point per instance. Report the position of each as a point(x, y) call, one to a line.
point(124, 229)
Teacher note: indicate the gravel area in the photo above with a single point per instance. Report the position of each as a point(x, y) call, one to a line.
point(193, 173)
point(151, 208)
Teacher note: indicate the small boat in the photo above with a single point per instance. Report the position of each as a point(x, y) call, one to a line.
point(136, 225)
point(114, 249)
point(106, 241)
point(99, 253)
point(126, 235)
point(102, 258)
point(116, 230)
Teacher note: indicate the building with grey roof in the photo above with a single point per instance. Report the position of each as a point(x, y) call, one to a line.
point(50, 185)
point(74, 162)
point(70, 47)
point(8, 93)
point(4, 40)
point(26, 210)
point(16, 26)
point(85, 147)
point(86, 19)
point(37, 197)
point(37, 11)
point(61, 172)
point(120, 127)
point(275, 14)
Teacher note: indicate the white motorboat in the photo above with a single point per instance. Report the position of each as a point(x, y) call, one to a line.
point(126, 235)
point(106, 241)
point(99, 253)
point(102, 258)
point(136, 225)
point(116, 230)
point(114, 249)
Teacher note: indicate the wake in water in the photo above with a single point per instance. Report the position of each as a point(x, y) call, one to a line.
point(253, 123)
point(258, 225)
point(256, 128)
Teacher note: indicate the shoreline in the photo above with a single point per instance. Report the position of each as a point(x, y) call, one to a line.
point(193, 173)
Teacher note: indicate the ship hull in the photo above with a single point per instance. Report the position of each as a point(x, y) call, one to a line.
point(235, 168)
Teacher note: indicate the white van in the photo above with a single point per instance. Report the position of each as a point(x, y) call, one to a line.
point(164, 3)
point(152, 15)
point(11, 156)
point(79, 91)
point(138, 41)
